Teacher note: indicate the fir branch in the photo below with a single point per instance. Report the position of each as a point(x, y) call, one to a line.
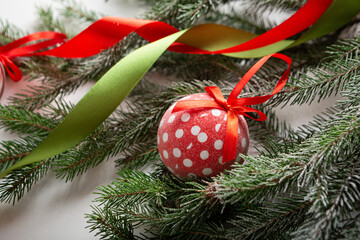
point(75, 10)
point(182, 13)
point(303, 184)
point(335, 196)
point(128, 198)
point(264, 172)
point(272, 128)
point(329, 79)
point(9, 32)
point(271, 5)
point(85, 155)
point(12, 151)
point(13, 187)
point(48, 21)
point(133, 187)
point(108, 225)
point(351, 230)
point(24, 121)
point(138, 155)
point(270, 221)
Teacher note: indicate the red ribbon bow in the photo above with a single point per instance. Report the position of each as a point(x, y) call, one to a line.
point(18, 48)
point(236, 106)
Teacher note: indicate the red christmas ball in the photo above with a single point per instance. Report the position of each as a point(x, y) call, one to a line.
point(190, 142)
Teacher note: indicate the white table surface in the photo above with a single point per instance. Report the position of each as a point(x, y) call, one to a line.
point(55, 209)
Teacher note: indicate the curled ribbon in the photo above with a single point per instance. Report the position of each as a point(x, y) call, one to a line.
point(322, 15)
point(236, 106)
point(209, 38)
point(29, 45)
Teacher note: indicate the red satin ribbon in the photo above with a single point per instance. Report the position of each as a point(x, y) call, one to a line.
point(107, 31)
point(18, 48)
point(236, 106)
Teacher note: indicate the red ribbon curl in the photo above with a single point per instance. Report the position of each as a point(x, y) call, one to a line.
point(18, 48)
point(107, 31)
point(236, 106)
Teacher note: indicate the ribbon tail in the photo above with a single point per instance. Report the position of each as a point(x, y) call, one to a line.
point(231, 137)
point(102, 99)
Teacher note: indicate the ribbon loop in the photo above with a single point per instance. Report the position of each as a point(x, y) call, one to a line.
point(237, 106)
point(14, 49)
point(11, 68)
point(216, 93)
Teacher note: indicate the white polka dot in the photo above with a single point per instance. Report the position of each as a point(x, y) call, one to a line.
point(187, 162)
point(215, 112)
point(171, 118)
point(165, 137)
point(179, 133)
point(191, 175)
point(243, 142)
point(217, 127)
point(161, 122)
point(177, 152)
point(204, 155)
point(158, 139)
point(218, 144)
point(238, 130)
point(220, 160)
point(190, 145)
point(185, 117)
point(207, 171)
point(202, 137)
point(195, 130)
point(172, 107)
point(166, 155)
point(176, 166)
point(203, 115)
point(225, 118)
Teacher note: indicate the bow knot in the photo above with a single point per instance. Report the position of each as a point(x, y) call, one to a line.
point(215, 92)
point(228, 107)
point(236, 106)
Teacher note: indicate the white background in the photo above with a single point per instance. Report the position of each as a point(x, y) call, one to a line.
point(55, 209)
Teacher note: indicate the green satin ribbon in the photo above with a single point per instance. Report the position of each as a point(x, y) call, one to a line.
point(107, 94)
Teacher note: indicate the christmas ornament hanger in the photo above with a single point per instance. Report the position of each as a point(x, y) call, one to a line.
point(319, 17)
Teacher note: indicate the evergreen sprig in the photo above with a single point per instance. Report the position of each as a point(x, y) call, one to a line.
point(9, 32)
point(14, 186)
